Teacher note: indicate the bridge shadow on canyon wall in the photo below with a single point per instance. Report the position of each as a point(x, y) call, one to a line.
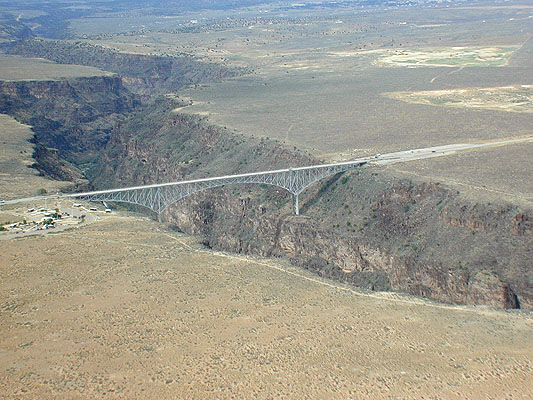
point(309, 202)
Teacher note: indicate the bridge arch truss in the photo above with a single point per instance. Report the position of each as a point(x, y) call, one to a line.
point(160, 196)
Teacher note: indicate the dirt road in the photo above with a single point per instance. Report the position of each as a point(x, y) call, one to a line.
point(124, 309)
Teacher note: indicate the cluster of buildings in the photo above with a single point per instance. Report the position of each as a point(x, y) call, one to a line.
point(41, 219)
point(38, 219)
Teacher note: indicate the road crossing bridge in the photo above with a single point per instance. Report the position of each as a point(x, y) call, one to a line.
point(159, 197)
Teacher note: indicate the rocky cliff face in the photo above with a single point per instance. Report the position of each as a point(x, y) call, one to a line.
point(158, 144)
point(368, 229)
point(244, 225)
point(73, 116)
point(143, 74)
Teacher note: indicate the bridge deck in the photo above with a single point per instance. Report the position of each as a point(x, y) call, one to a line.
point(158, 197)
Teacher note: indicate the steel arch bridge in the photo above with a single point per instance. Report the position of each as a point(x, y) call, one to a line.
point(159, 197)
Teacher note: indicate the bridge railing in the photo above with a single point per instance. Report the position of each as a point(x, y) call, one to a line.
point(159, 197)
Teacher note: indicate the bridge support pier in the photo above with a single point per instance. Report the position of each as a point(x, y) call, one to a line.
point(160, 196)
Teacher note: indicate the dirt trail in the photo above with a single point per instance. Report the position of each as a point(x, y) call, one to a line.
point(285, 269)
point(447, 73)
point(124, 309)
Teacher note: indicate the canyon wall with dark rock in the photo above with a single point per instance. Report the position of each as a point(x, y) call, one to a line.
point(72, 118)
point(147, 75)
point(367, 228)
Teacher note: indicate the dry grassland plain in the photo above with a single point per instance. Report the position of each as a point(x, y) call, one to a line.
point(17, 179)
point(16, 68)
point(123, 309)
point(326, 85)
point(475, 173)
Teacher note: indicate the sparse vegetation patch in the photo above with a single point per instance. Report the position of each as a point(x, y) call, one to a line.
point(447, 57)
point(517, 98)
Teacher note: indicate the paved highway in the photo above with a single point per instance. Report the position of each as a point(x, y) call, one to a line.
point(379, 159)
point(438, 151)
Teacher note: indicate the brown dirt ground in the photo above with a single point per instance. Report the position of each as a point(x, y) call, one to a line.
point(517, 98)
point(123, 309)
point(16, 68)
point(447, 57)
point(16, 178)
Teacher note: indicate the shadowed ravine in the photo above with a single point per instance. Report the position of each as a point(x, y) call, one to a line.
point(371, 228)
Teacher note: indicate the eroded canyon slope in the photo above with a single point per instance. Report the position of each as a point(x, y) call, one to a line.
point(369, 228)
point(250, 301)
point(376, 229)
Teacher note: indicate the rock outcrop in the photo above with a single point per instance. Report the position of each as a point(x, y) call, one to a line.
point(369, 229)
point(143, 74)
point(72, 118)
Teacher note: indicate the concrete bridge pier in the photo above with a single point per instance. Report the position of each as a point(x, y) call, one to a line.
point(295, 205)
